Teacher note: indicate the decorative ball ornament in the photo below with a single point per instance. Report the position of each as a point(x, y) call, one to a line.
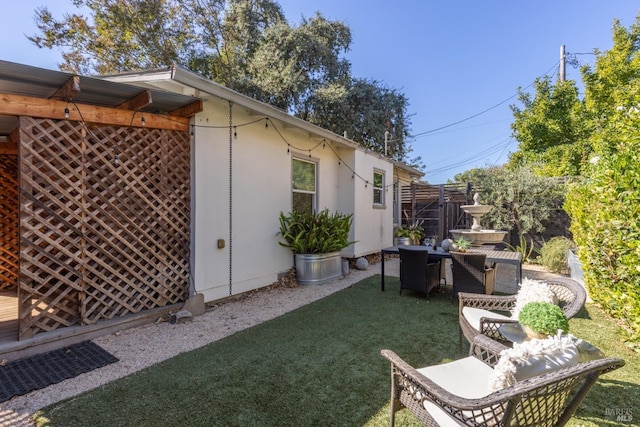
point(446, 245)
point(362, 263)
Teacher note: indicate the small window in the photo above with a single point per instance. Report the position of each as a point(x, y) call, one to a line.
point(303, 185)
point(378, 188)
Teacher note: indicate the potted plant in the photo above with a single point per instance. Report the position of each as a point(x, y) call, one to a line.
point(542, 319)
point(460, 245)
point(402, 235)
point(316, 239)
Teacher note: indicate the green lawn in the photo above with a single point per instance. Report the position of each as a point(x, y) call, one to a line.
point(320, 365)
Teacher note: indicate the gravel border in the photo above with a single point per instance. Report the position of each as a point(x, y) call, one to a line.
point(163, 340)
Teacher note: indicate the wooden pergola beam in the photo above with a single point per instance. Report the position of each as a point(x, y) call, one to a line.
point(10, 147)
point(18, 105)
point(188, 110)
point(69, 90)
point(138, 102)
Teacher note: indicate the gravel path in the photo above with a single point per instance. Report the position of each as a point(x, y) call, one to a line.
point(164, 340)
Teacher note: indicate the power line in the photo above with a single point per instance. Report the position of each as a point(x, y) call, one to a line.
point(554, 66)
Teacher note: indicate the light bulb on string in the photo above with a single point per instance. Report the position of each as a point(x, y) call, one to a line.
point(66, 111)
point(142, 120)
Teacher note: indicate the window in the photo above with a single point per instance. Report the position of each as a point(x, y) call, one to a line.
point(304, 185)
point(378, 188)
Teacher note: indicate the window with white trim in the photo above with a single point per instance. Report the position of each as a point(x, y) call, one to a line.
point(303, 185)
point(378, 188)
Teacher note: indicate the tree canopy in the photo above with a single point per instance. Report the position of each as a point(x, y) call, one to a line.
point(246, 45)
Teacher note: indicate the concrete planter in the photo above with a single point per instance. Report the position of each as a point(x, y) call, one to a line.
point(316, 269)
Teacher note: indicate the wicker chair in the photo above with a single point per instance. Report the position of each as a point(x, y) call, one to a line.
point(417, 272)
point(484, 314)
point(432, 395)
point(470, 273)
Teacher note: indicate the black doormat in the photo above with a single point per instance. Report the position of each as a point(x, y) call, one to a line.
point(33, 373)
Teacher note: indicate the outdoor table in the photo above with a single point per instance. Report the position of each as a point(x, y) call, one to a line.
point(504, 257)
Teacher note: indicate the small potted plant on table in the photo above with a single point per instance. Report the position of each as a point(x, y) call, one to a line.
point(542, 319)
point(460, 245)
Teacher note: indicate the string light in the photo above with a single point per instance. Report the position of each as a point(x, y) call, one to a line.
point(66, 111)
point(289, 146)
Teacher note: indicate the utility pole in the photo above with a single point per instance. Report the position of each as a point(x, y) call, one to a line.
point(563, 61)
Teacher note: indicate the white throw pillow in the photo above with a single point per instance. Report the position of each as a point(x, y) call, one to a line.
point(535, 357)
point(532, 291)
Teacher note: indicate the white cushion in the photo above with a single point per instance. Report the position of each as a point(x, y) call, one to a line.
point(535, 357)
point(467, 377)
point(473, 316)
point(532, 291)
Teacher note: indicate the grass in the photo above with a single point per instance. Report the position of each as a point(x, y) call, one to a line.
point(320, 365)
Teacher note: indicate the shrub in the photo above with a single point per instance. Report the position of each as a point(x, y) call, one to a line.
point(605, 222)
point(553, 254)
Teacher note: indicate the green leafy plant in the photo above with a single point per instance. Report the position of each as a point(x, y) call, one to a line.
point(402, 231)
point(525, 247)
point(462, 244)
point(414, 231)
point(553, 254)
point(315, 233)
point(543, 318)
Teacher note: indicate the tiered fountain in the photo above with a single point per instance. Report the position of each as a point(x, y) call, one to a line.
point(476, 234)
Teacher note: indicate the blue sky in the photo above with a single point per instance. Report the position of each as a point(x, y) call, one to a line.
point(452, 59)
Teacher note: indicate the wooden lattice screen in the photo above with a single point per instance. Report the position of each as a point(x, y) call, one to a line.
point(9, 246)
point(104, 222)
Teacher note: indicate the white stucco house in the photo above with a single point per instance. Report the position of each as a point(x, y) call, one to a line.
point(245, 157)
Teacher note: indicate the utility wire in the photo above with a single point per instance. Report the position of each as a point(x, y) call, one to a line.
point(554, 66)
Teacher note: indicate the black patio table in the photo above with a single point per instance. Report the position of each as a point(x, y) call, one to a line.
point(504, 257)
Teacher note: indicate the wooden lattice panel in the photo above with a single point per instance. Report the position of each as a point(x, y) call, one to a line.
point(9, 243)
point(105, 222)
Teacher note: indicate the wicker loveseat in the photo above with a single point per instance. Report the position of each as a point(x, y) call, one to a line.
point(450, 393)
point(484, 314)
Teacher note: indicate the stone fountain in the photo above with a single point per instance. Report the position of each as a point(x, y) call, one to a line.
point(476, 234)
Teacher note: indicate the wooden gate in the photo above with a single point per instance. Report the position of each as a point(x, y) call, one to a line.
point(436, 207)
point(104, 222)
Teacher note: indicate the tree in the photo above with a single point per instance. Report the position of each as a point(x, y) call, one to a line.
point(366, 110)
point(521, 199)
point(246, 45)
point(122, 35)
point(551, 129)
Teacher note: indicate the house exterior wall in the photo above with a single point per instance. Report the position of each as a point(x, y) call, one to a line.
point(248, 199)
point(373, 224)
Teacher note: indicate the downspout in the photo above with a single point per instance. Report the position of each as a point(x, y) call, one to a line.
point(230, 198)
